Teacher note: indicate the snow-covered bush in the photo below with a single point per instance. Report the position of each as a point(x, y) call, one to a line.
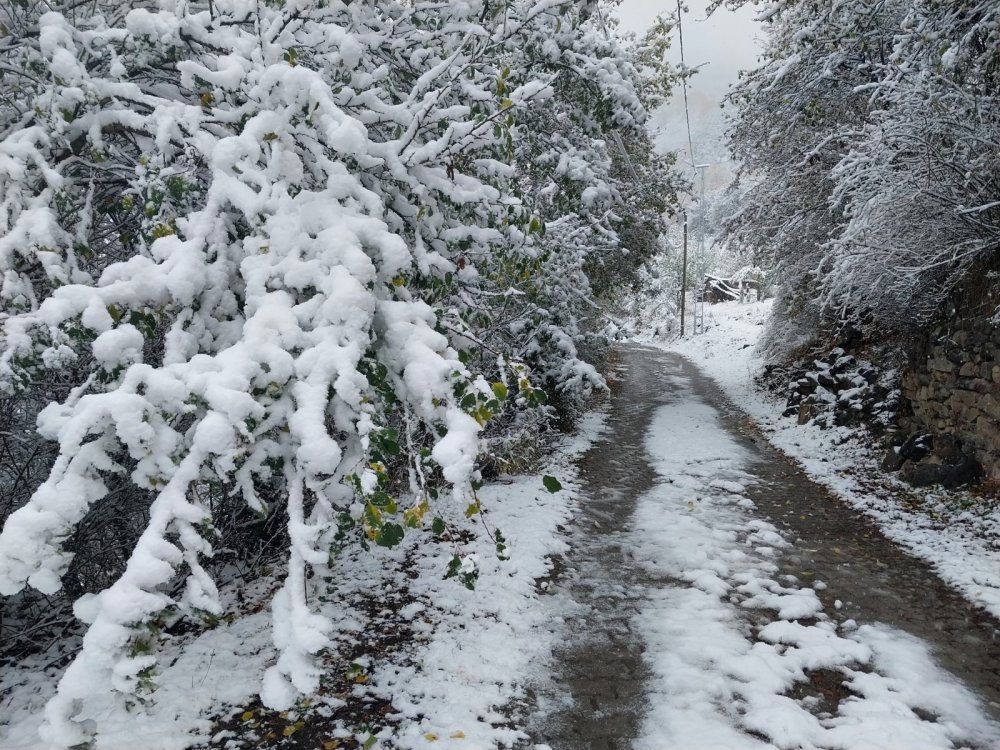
point(283, 259)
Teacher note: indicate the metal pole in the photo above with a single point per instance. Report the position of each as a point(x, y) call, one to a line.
point(684, 271)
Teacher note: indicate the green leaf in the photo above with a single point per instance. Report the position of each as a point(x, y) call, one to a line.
point(551, 483)
point(390, 535)
point(437, 526)
point(454, 565)
point(500, 391)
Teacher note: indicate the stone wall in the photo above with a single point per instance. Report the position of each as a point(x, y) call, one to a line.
point(953, 381)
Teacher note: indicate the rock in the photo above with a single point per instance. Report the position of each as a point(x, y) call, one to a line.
point(806, 412)
point(966, 471)
point(940, 365)
point(826, 380)
point(982, 386)
point(923, 475)
point(804, 386)
point(990, 404)
point(916, 447)
point(892, 461)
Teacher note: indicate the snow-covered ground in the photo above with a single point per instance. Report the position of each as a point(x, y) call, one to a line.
point(961, 540)
point(456, 658)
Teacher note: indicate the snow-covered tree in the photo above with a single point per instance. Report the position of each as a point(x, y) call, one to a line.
point(921, 187)
point(795, 117)
point(267, 256)
point(867, 140)
point(597, 186)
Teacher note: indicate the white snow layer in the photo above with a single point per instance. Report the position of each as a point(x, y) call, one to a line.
point(721, 673)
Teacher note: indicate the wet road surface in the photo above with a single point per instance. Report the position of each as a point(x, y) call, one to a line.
point(597, 699)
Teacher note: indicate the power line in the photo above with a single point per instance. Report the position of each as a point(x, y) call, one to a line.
point(684, 79)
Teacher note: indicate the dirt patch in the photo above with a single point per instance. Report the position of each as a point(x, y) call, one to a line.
point(821, 692)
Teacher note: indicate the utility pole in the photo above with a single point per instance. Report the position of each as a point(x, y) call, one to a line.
point(699, 291)
point(684, 271)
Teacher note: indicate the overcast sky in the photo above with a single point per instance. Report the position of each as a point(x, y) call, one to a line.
point(724, 43)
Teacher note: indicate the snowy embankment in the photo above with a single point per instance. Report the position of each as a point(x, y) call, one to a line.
point(416, 660)
point(962, 543)
point(724, 669)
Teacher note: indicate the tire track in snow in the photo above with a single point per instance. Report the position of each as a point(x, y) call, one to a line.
point(684, 628)
point(597, 697)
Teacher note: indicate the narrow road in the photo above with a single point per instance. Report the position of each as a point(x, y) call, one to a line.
point(715, 597)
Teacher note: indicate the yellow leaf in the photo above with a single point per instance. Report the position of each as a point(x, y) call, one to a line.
point(361, 679)
point(289, 730)
point(398, 281)
point(331, 744)
point(458, 735)
point(247, 715)
point(431, 737)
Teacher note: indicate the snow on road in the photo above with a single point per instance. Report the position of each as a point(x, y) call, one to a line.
point(724, 669)
point(962, 544)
